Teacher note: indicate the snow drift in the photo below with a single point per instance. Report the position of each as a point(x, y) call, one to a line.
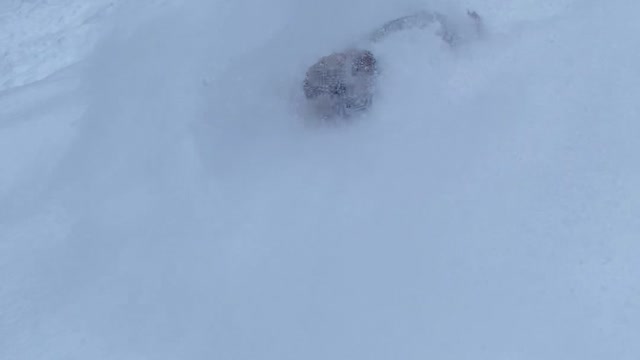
point(180, 206)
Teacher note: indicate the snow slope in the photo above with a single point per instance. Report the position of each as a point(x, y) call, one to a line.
point(165, 199)
point(38, 38)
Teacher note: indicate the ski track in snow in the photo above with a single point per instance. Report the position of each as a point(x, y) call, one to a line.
point(163, 198)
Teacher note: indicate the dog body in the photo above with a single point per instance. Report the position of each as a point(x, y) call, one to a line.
point(342, 84)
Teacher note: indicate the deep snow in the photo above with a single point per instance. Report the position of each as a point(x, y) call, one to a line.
point(165, 198)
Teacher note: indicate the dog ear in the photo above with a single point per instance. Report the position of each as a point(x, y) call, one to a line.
point(477, 20)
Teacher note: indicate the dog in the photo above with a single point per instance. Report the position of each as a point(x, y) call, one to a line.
point(342, 83)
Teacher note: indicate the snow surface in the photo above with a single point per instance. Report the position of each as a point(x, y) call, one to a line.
point(163, 197)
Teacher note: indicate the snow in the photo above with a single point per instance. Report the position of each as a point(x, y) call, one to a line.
point(164, 198)
point(38, 38)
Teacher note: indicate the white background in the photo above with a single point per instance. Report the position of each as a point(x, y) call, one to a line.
point(163, 197)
